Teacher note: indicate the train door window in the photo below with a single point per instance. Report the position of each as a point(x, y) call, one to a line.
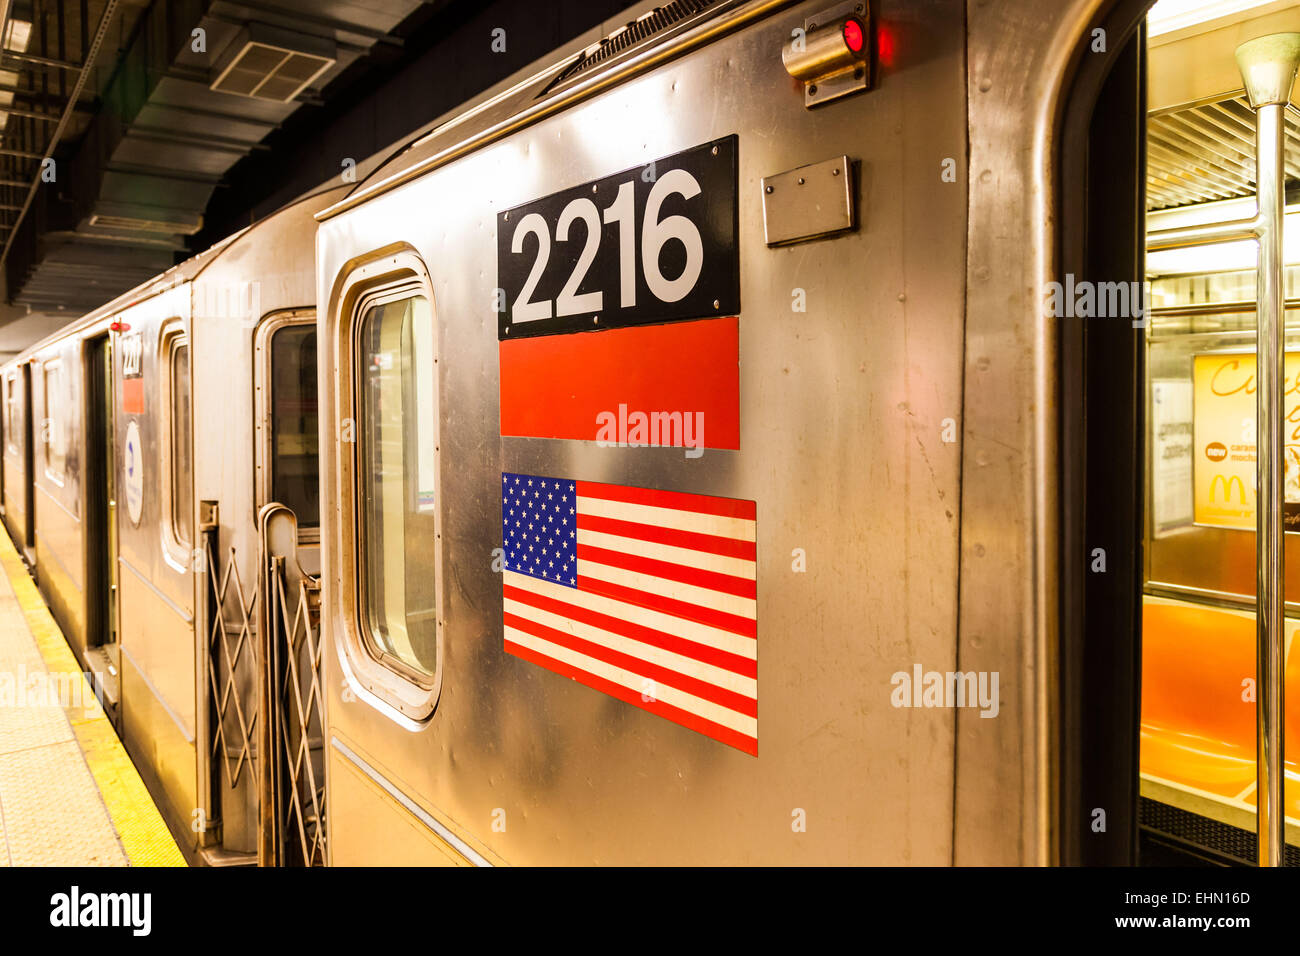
point(53, 429)
point(294, 458)
point(11, 411)
point(397, 482)
point(178, 450)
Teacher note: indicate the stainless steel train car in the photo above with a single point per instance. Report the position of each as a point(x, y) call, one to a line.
point(738, 211)
point(921, 481)
point(879, 337)
point(141, 444)
point(695, 667)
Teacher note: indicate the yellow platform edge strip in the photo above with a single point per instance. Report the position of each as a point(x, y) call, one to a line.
point(140, 827)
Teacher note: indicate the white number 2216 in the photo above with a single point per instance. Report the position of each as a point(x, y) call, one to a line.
point(655, 234)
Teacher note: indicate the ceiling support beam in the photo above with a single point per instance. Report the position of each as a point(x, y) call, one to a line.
point(48, 100)
point(92, 53)
point(35, 60)
point(30, 114)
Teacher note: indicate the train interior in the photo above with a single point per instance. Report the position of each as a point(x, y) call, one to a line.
point(1197, 746)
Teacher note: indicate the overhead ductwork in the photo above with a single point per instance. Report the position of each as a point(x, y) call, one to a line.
point(270, 64)
point(199, 86)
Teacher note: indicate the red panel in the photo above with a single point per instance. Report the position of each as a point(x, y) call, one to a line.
point(133, 396)
point(556, 386)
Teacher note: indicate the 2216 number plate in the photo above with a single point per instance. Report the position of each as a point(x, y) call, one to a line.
point(650, 244)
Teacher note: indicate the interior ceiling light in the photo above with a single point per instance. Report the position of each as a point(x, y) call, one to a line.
point(1170, 15)
point(18, 35)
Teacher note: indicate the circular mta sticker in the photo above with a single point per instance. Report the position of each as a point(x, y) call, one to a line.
point(133, 468)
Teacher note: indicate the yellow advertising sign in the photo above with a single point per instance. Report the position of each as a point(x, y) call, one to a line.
point(1223, 439)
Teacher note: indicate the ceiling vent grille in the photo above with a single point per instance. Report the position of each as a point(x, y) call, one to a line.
point(629, 35)
point(146, 225)
point(269, 71)
point(1205, 152)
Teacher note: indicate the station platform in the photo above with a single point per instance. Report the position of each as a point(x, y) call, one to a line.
point(69, 794)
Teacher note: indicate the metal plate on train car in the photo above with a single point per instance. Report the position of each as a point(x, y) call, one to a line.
point(653, 243)
point(132, 349)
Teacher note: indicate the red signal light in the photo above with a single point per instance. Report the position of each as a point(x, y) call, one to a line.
point(832, 60)
point(854, 36)
point(119, 327)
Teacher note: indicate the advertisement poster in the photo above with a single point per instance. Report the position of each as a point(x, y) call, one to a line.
point(1223, 436)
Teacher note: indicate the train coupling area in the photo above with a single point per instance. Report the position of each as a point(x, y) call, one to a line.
point(69, 794)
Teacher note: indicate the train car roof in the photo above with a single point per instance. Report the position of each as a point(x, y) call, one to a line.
point(580, 69)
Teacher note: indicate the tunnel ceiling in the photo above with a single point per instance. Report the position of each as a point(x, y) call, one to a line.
point(144, 107)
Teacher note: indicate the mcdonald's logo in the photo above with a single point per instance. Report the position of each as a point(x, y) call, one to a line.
point(1227, 484)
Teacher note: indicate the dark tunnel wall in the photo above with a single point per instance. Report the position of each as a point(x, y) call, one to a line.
point(446, 60)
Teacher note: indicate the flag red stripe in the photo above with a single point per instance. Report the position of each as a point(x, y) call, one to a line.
point(555, 386)
point(677, 500)
point(691, 540)
point(744, 626)
point(656, 672)
point(745, 666)
point(684, 574)
point(691, 721)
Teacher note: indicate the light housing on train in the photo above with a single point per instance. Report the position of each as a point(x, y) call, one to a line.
point(831, 53)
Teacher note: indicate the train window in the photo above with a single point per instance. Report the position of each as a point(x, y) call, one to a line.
point(397, 465)
point(294, 458)
point(11, 411)
point(53, 429)
point(179, 453)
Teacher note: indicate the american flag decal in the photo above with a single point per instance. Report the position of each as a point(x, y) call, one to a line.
point(648, 596)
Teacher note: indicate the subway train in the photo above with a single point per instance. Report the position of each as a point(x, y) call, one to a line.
point(131, 437)
point(439, 517)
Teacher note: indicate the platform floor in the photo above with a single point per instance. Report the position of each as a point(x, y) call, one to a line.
point(69, 794)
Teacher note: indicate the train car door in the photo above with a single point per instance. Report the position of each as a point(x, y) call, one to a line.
point(154, 542)
point(29, 469)
point(288, 502)
point(101, 520)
